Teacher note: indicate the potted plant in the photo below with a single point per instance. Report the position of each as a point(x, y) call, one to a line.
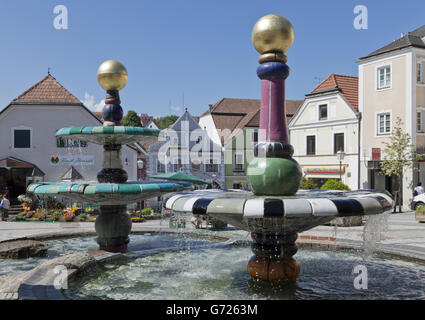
point(69, 216)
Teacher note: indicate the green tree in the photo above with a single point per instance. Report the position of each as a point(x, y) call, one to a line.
point(166, 121)
point(399, 154)
point(131, 119)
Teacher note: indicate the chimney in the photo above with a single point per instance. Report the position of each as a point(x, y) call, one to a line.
point(210, 106)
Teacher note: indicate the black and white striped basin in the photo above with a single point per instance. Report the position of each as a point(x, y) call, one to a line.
point(282, 215)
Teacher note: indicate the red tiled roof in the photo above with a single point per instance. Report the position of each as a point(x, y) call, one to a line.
point(232, 115)
point(48, 90)
point(348, 85)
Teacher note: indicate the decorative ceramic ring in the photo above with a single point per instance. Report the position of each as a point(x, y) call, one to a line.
point(273, 56)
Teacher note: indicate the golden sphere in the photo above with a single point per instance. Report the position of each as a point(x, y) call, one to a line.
point(272, 33)
point(112, 75)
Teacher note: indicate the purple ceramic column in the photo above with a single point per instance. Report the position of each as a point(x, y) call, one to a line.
point(273, 127)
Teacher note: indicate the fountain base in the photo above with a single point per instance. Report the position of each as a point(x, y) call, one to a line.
point(113, 226)
point(272, 260)
point(274, 270)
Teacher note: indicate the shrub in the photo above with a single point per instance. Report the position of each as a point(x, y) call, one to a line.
point(332, 184)
point(147, 211)
point(89, 210)
point(55, 216)
point(82, 217)
point(40, 215)
point(21, 216)
point(306, 184)
point(420, 209)
point(52, 203)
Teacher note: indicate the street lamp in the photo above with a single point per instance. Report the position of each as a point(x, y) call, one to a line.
point(340, 156)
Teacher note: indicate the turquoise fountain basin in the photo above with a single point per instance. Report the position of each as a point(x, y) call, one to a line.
point(108, 135)
point(107, 193)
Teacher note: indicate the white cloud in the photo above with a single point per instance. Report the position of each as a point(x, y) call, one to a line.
point(91, 105)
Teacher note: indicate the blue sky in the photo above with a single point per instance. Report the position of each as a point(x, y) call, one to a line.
point(198, 48)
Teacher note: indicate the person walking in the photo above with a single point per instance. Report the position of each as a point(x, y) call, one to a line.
point(5, 206)
point(419, 189)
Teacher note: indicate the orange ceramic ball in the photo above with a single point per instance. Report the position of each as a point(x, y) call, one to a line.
point(272, 270)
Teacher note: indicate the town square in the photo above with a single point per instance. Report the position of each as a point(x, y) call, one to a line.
point(195, 152)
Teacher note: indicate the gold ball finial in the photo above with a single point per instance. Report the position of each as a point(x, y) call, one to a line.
point(272, 33)
point(112, 75)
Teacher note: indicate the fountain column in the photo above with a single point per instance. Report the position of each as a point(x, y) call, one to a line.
point(273, 172)
point(113, 225)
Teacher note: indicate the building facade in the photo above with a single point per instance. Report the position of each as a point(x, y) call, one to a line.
point(391, 86)
point(327, 123)
point(185, 146)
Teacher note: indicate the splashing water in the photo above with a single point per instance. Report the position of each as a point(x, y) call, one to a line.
point(375, 226)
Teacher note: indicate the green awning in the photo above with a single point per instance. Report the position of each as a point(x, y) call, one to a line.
point(180, 176)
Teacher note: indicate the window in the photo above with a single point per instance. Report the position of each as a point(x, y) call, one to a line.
point(178, 166)
point(384, 123)
point(22, 138)
point(338, 142)
point(420, 66)
point(236, 186)
point(70, 143)
point(210, 166)
point(238, 164)
point(255, 137)
point(384, 77)
point(420, 121)
point(323, 112)
point(311, 145)
point(160, 168)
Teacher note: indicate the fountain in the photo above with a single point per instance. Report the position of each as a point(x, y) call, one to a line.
point(112, 192)
point(275, 211)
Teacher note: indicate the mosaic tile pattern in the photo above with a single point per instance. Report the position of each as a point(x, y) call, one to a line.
point(280, 214)
point(108, 194)
point(107, 135)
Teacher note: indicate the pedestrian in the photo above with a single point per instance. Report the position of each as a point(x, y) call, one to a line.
point(4, 207)
point(419, 189)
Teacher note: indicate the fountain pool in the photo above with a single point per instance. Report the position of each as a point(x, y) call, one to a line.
point(181, 267)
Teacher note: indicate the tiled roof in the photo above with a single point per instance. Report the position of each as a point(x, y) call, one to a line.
point(412, 39)
point(72, 174)
point(232, 115)
point(48, 90)
point(347, 85)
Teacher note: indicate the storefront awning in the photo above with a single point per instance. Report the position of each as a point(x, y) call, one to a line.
point(14, 163)
point(325, 170)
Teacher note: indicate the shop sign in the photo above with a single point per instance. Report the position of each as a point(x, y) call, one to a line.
point(324, 170)
point(72, 160)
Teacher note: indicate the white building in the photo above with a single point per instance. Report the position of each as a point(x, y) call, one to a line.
point(391, 85)
point(29, 149)
point(327, 122)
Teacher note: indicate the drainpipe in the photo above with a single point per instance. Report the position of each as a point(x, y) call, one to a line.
point(359, 117)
